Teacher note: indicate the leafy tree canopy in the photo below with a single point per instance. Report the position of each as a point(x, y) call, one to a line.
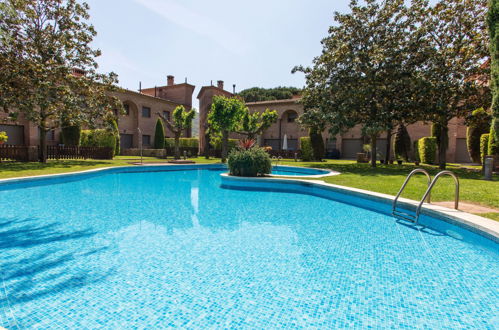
point(257, 94)
point(41, 42)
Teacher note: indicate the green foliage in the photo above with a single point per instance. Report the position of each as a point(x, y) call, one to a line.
point(183, 142)
point(415, 147)
point(478, 124)
point(113, 126)
point(493, 147)
point(3, 137)
point(317, 143)
point(98, 138)
point(427, 148)
point(257, 94)
point(225, 117)
point(41, 43)
point(251, 162)
point(307, 152)
point(70, 135)
point(402, 143)
point(484, 146)
point(493, 25)
point(216, 143)
point(254, 124)
point(159, 135)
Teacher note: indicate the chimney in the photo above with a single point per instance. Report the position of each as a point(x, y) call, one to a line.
point(170, 80)
point(220, 84)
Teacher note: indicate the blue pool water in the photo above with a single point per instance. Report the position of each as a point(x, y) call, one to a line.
point(164, 249)
point(294, 171)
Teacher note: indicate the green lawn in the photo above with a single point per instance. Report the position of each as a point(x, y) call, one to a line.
point(384, 179)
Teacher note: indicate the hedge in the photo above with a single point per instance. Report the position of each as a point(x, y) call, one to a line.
point(484, 146)
point(232, 144)
point(427, 147)
point(307, 152)
point(98, 138)
point(478, 124)
point(493, 148)
point(184, 143)
point(70, 135)
point(415, 147)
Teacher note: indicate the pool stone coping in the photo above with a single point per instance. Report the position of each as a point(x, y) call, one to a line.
point(474, 223)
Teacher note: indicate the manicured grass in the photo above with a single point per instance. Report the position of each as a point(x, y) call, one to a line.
point(384, 179)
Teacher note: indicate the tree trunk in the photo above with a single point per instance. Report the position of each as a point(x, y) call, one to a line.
point(206, 149)
point(443, 143)
point(177, 144)
point(388, 145)
point(373, 150)
point(225, 145)
point(43, 144)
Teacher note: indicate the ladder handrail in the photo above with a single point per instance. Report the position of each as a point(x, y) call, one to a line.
point(427, 193)
point(418, 170)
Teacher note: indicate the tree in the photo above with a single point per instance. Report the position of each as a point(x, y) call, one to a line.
point(313, 120)
point(402, 143)
point(254, 124)
point(225, 117)
point(478, 124)
point(366, 73)
point(257, 94)
point(181, 120)
point(113, 128)
point(454, 47)
point(159, 135)
point(41, 44)
point(493, 25)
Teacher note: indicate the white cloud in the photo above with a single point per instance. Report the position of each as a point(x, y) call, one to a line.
point(193, 21)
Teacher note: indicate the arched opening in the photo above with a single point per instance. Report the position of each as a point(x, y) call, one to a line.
point(289, 130)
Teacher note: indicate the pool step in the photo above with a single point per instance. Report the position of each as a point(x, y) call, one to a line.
point(404, 216)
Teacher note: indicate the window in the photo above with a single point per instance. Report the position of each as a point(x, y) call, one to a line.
point(146, 112)
point(127, 109)
point(166, 114)
point(292, 117)
point(146, 140)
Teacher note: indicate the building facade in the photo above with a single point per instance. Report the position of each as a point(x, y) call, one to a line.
point(136, 126)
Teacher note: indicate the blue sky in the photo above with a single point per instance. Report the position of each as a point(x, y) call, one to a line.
point(247, 43)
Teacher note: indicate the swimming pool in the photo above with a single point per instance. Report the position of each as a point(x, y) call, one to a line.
point(282, 170)
point(144, 247)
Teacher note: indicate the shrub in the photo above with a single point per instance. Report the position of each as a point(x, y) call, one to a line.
point(493, 148)
point(402, 143)
point(114, 129)
point(415, 147)
point(307, 152)
point(484, 146)
point(427, 147)
point(159, 135)
point(98, 138)
point(317, 143)
point(3, 137)
point(478, 124)
point(251, 162)
point(70, 135)
point(184, 143)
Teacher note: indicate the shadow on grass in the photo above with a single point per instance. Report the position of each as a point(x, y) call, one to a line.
point(40, 259)
point(34, 166)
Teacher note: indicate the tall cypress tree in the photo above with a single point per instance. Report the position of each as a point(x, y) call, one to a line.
point(159, 135)
point(493, 22)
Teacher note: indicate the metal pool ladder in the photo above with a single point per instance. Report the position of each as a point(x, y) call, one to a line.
point(431, 183)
